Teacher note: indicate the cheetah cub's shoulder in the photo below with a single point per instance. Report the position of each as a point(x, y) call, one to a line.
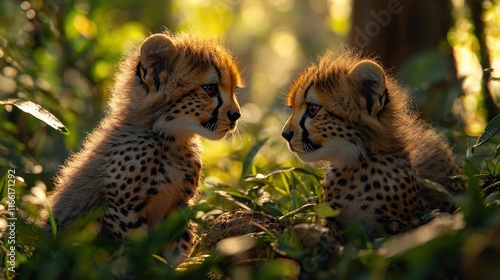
point(142, 161)
point(348, 112)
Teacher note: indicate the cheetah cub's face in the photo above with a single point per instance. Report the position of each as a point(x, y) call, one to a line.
point(190, 85)
point(333, 103)
point(221, 109)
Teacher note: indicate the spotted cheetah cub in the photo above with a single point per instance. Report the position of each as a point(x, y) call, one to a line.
point(143, 159)
point(348, 112)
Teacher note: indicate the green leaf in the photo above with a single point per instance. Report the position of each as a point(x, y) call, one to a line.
point(491, 130)
point(236, 197)
point(492, 199)
point(356, 236)
point(497, 169)
point(255, 192)
point(307, 172)
point(280, 268)
point(4, 187)
point(432, 185)
point(53, 225)
point(297, 200)
point(473, 203)
point(250, 156)
point(490, 167)
point(260, 177)
point(459, 178)
point(324, 210)
point(38, 112)
point(270, 207)
point(288, 244)
point(301, 209)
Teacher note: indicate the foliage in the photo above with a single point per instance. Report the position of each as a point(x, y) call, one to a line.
point(450, 246)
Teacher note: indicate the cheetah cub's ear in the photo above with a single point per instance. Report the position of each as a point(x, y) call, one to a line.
point(157, 53)
point(370, 79)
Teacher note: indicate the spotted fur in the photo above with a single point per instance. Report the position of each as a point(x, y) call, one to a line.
point(348, 112)
point(143, 159)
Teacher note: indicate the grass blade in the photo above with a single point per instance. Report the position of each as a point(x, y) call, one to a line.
point(250, 156)
point(52, 221)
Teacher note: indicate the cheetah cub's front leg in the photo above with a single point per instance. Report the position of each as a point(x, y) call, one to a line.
point(143, 160)
point(348, 112)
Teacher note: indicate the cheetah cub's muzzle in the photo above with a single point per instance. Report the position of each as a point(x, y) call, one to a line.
point(309, 135)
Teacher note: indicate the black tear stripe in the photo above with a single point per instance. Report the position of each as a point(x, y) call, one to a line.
point(215, 112)
point(305, 133)
point(367, 91)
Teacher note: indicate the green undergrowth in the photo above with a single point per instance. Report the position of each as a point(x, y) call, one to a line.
point(463, 245)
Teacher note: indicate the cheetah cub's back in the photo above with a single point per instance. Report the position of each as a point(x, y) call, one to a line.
point(348, 112)
point(142, 161)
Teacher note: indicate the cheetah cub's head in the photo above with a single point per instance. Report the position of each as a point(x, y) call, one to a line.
point(187, 86)
point(336, 105)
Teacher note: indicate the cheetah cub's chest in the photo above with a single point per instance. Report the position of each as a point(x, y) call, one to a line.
point(381, 195)
point(142, 171)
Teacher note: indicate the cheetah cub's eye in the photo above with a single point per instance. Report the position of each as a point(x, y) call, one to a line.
point(313, 109)
point(210, 89)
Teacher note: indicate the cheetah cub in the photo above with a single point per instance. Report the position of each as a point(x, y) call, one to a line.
point(348, 112)
point(143, 159)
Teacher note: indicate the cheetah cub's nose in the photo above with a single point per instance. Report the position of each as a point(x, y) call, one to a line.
point(288, 135)
point(233, 116)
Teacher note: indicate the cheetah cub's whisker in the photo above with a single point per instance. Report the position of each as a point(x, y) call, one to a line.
point(142, 161)
point(348, 112)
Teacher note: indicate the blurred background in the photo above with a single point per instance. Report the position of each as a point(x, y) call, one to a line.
point(62, 55)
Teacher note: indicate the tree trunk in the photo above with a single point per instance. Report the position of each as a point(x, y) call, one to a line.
point(476, 9)
point(393, 30)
